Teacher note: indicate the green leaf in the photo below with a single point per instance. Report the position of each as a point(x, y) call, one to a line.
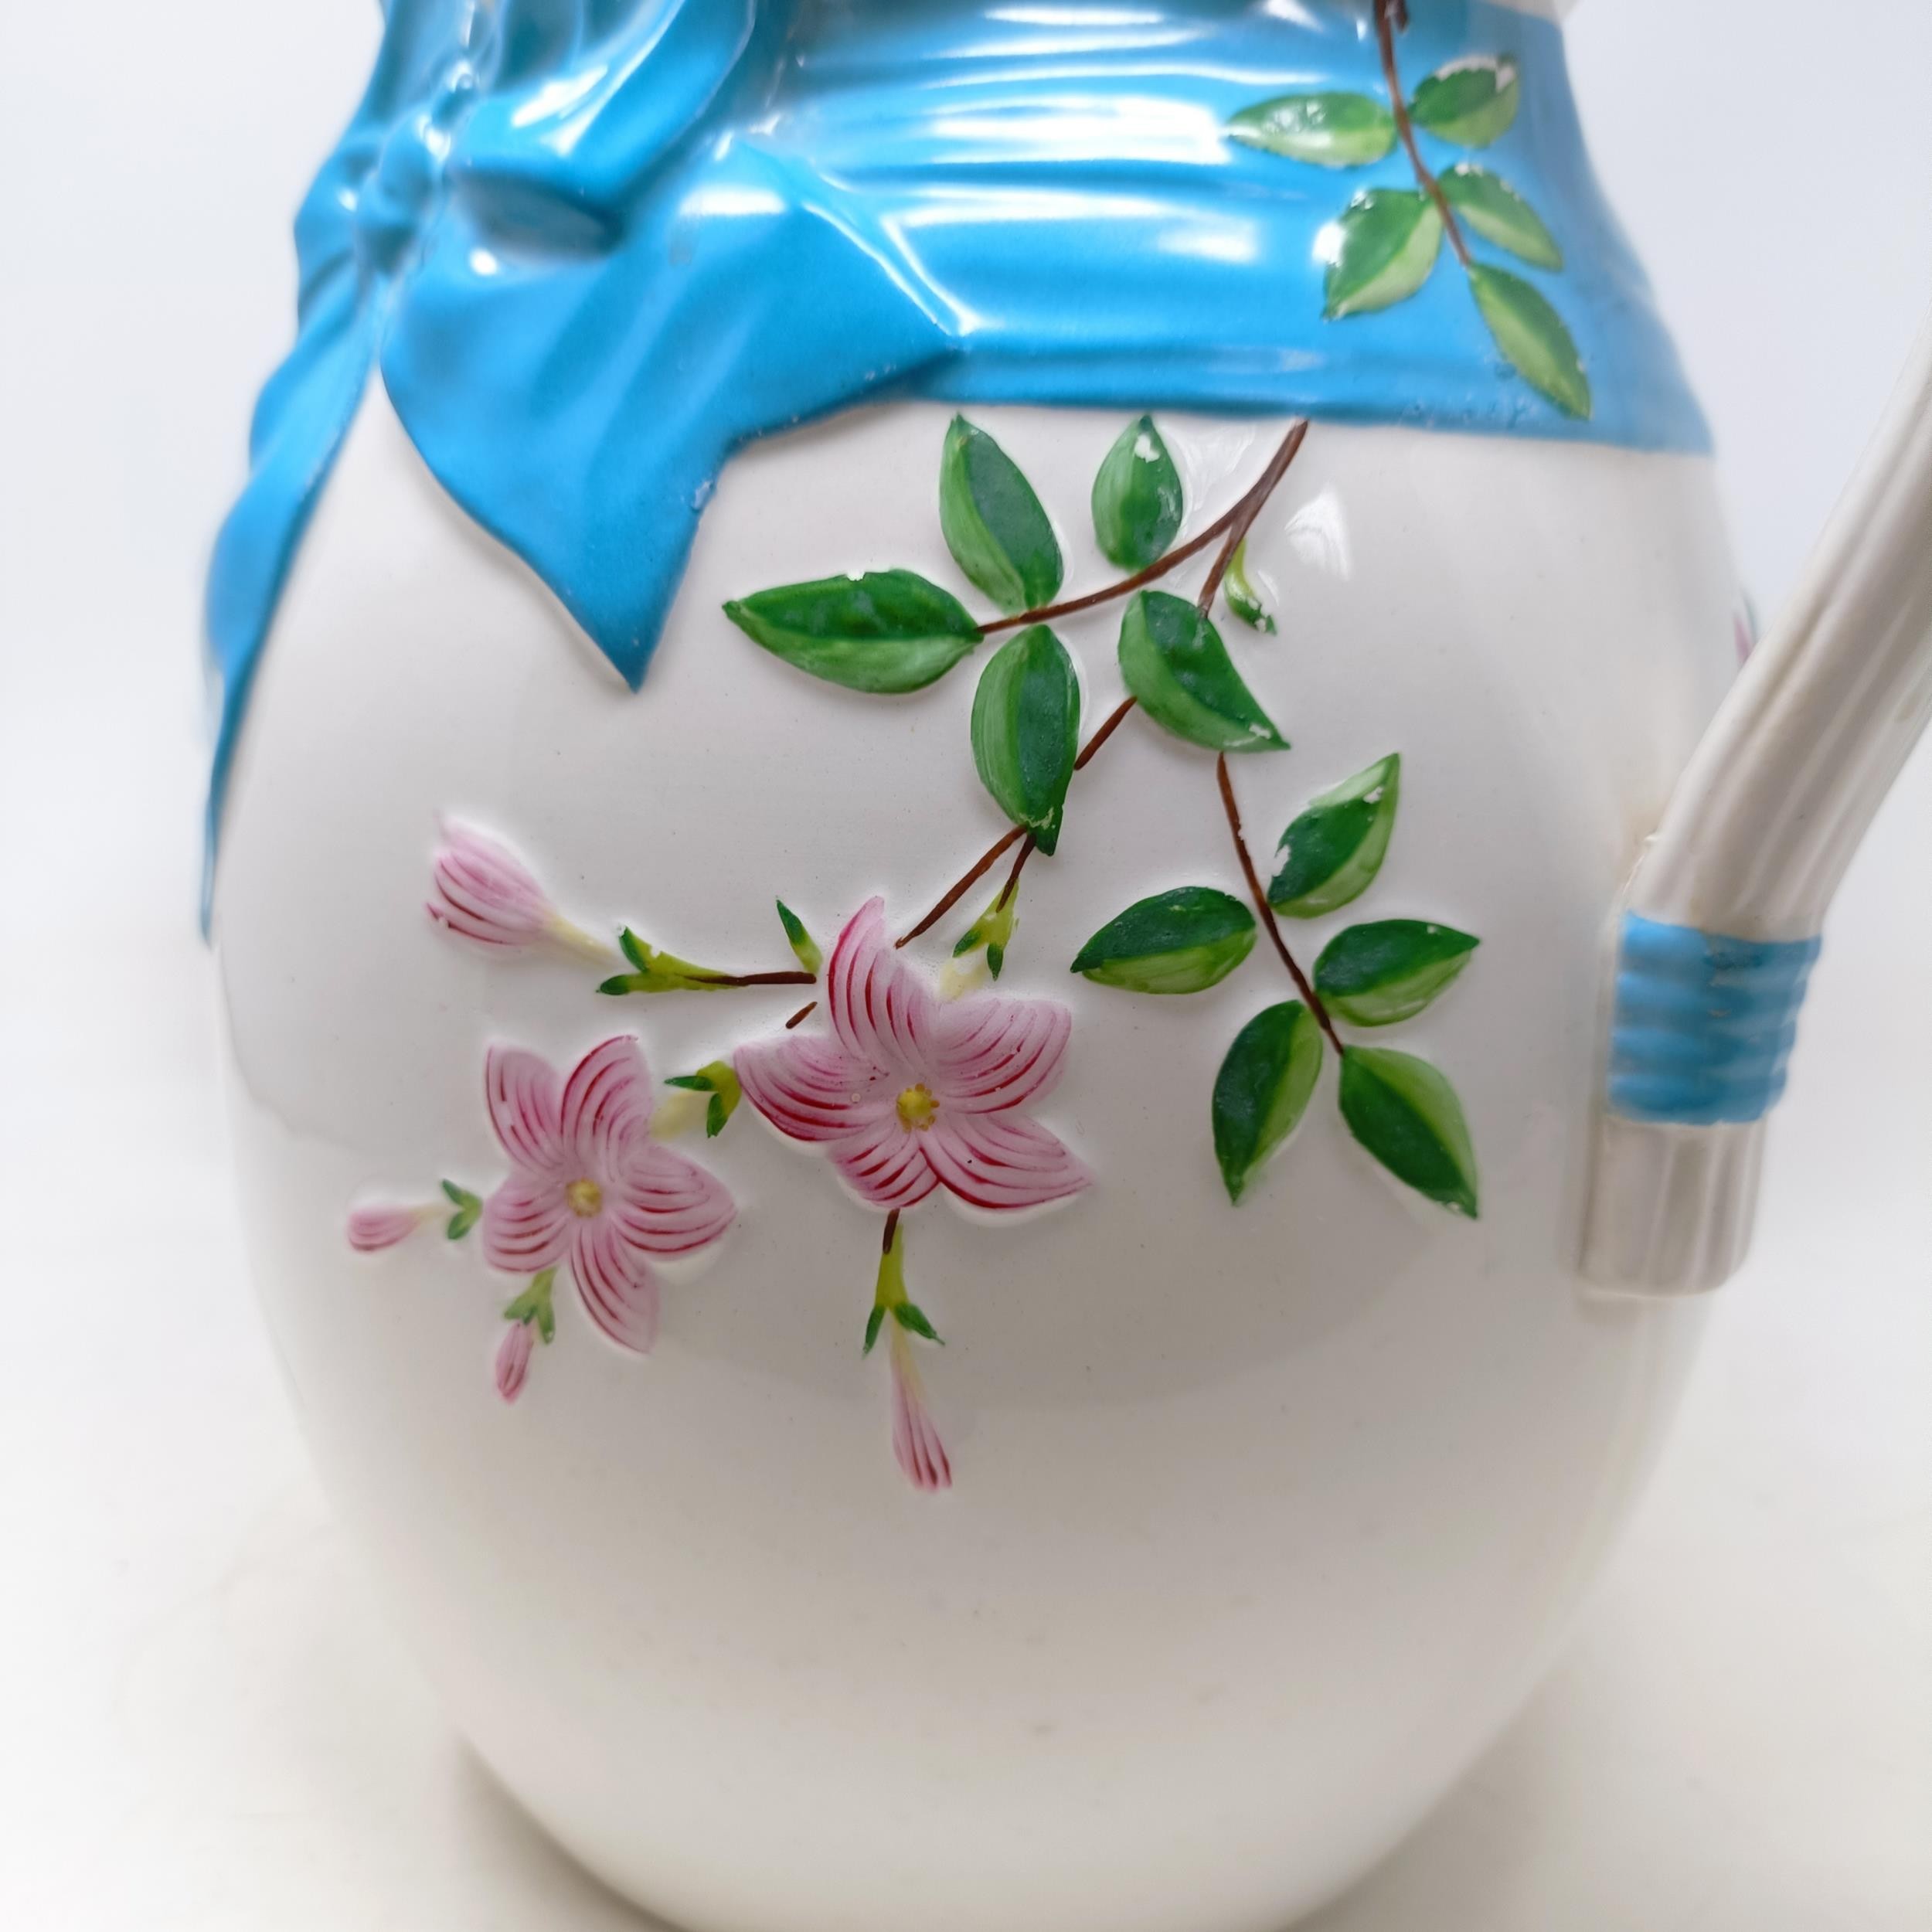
point(1264, 1089)
point(886, 631)
point(1469, 102)
point(911, 1319)
point(993, 523)
point(1183, 941)
point(1532, 336)
point(1175, 664)
point(720, 1080)
point(1385, 244)
point(805, 948)
point(874, 1322)
point(1243, 599)
point(1331, 853)
point(1137, 503)
point(1026, 728)
point(1378, 974)
point(1404, 1111)
point(537, 1304)
point(1332, 130)
point(1498, 213)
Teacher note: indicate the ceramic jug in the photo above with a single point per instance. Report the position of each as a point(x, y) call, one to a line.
point(972, 1109)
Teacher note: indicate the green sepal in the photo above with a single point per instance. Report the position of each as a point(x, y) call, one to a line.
point(911, 1319)
point(1470, 103)
point(994, 929)
point(1175, 663)
point(1385, 245)
point(995, 959)
point(469, 1208)
point(1026, 731)
point(1243, 599)
point(1406, 1115)
point(535, 1304)
point(805, 948)
point(994, 524)
point(1378, 974)
point(720, 1080)
point(1332, 129)
point(884, 630)
point(1498, 213)
point(874, 1322)
point(1137, 499)
point(660, 972)
point(1262, 1089)
point(1534, 339)
point(1177, 942)
point(1330, 854)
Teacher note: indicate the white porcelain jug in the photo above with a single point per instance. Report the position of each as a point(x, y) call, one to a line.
point(970, 1104)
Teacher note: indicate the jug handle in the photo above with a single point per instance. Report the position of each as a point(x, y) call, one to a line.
point(1719, 924)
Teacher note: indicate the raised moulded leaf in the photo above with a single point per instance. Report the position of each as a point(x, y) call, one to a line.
point(1264, 1089)
point(1532, 336)
point(1182, 941)
point(1498, 213)
point(1384, 246)
point(1469, 102)
point(1137, 503)
point(886, 631)
point(1332, 129)
point(1243, 599)
point(1331, 853)
point(1026, 723)
point(993, 523)
point(1406, 1115)
point(1377, 974)
point(803, 947)
point(1175, 663)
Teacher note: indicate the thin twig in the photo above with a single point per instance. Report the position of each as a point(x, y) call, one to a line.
point(892, 1228)
point(727, 982)
point(803, 1014)
point(1116, 718)
point(980, 867)
point(1302, 986)
point(1249, 507)
point(1027, 849)
point(1390, 15)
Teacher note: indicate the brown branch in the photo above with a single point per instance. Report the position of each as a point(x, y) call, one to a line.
point(1006, 892)
point(1242, 519)
point(1255, 887)
point(892, 1228)
point(731, 982)
point(803, 1014)
point(1390, 15)
point(980, 867)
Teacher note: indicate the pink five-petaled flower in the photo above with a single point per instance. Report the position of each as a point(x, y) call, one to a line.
point(911, 1093)
point(373, 1228)
point(916, 1443)
point(589, 1187)
point(483, 892)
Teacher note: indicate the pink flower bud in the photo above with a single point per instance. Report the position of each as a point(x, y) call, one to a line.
point(916, 1443)
point(513, 1359)
point(484, 894)
point(371, 1228)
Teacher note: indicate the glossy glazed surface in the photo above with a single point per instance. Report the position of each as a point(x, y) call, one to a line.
point(1263, 1518)
point(597, 246)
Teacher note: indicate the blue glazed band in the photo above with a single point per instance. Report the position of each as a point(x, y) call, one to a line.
point(1704, 1024)
point(595, 246)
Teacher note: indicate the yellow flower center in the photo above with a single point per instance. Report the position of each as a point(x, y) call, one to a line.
point(917, 1108)
point(586, 1198)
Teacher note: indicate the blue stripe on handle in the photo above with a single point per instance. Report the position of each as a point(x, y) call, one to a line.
point(1704, 1024)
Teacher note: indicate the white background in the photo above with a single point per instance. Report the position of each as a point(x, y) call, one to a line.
point(204, 1724)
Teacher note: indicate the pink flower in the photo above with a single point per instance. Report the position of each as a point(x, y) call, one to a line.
point(484, 894)
point(916, 1442)
point(373, 1228)
point(910, 1093)
point(589, 1185)
point(513, 1359)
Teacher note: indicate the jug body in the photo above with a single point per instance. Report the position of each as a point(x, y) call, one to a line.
point(1078, 1411)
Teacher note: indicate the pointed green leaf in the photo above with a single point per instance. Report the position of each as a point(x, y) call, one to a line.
point(1243, 599)
point(460, 1196)
point(1532, 336)
point(469, 1209)
point(1498, 213)
point(1137, 504)
point(805, 948)
point(661, 972)
point(1383, 248)
point(1183, 941)
point(1331, 853)
point(1332, 130)
point(911, 1319)
point(886, 631)
point(874, 1322)
point(1175, 664)
point(993, 523)
point(1262, 1089)
point(720, 1080)
point(1404, 1111)
point(1026, 731)
point(1378, 974)
point(1469, 102)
